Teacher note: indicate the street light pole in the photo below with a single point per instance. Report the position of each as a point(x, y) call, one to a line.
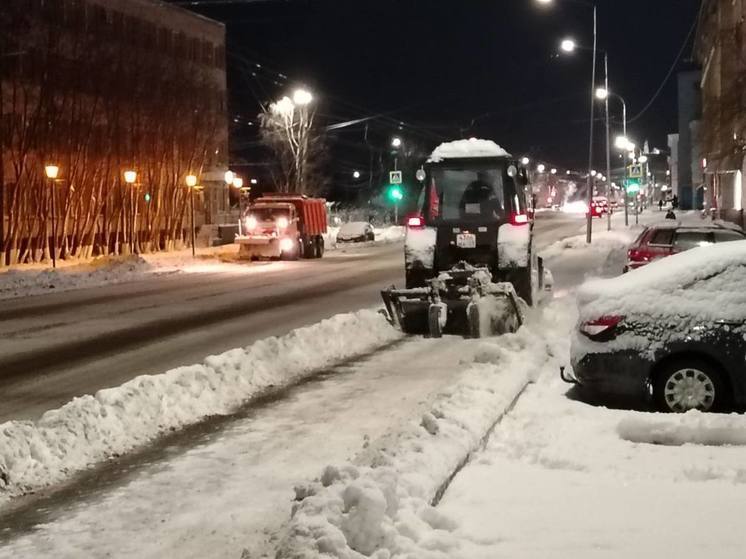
point(52, 172)
point(608, 141)
point(589, 218)
point(191, 182)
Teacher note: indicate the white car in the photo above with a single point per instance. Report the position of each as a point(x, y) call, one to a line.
point(356, 232)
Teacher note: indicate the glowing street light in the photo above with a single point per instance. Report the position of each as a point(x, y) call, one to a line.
point(254, 181)
point(356, 174)
point(602, 93)
point(525, 161)
point(52, 172)
point(238, 182)
point(568, 46)
point(191, 181)
point(593, 173)
point(553, 171)
point(396, 142)
point(643, 159)
point(130, 177)
point(229, 176)
point(302, 97)
point(541, 167)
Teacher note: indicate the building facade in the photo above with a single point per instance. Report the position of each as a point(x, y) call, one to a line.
point(690, 107)
point(97, 87)
point(721, 51)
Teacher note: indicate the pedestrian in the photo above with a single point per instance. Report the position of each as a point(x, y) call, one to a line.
point(660, 205)
point(675, 202)
point(670, 214)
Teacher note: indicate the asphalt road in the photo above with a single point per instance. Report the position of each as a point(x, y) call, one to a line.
point(58, 346)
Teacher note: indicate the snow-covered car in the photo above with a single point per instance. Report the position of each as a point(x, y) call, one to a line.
point(356, 232)
point(473, 209)
point(674, 330)
point(665, 239)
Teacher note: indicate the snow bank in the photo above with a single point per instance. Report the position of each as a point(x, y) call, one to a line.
point(604, 242)
point(93, 428)
point(693, 427)
point(467, 148)
point(20, 282)
point(380, 506)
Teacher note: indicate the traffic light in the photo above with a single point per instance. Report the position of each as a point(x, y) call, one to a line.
point(633, 186)
point(147, 197)
point(395, 193)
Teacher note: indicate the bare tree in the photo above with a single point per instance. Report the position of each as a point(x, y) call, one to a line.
point(289, 129)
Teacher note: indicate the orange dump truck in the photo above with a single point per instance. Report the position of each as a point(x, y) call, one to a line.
point(283, 226)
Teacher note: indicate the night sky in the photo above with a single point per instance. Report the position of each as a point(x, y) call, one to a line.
point(435, 65)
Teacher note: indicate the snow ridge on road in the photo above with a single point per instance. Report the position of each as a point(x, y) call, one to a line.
point(90, 429)
point(380, 506)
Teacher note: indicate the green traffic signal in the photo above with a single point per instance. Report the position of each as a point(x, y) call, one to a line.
point(147, 197)
point(395, 193)
point(633, 186)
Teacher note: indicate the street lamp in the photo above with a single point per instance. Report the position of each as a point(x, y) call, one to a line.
point(356, 174)
point(229, 176)
point(130, 177)
point(568, 46)
point(553, 171)
point(396, 142)
point(302, 97)
point(525, 161)
point(541, 167)
point(52, 172)
point(191, 182)
point(254, 181)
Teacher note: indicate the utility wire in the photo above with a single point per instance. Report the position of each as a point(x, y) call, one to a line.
point(669, 74)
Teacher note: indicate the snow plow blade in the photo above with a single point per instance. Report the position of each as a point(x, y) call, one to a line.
point(463, 301)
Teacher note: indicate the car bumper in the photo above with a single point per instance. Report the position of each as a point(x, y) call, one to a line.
point(621, 373)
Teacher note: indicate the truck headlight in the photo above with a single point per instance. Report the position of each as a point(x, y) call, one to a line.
point(251, 223)
point(282, 222)
point(286, 245)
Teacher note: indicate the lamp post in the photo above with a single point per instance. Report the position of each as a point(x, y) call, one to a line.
point(568, 46)
point(191, 182)
point(52, 172)
point(130, 177)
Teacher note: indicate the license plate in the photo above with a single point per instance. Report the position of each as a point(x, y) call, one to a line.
point(466, 240)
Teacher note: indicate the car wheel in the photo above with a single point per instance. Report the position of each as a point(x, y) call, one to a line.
point(319, 246)
point(689, 384)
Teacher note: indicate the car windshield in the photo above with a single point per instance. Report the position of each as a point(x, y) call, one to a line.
point(263, 213)
point(469, 193)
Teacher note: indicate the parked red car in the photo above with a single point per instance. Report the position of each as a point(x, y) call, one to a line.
point(659, 241)
point(599, 206)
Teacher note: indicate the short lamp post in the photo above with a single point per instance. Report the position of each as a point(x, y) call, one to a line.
point(130, 178)
point(191, 182)
point(52, 172)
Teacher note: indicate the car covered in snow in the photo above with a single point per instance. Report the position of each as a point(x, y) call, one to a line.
point(473, 209)
point(356, 232)
point(665, 239)
point(673, 331)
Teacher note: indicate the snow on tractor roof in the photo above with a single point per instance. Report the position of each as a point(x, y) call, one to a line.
point(467, 148)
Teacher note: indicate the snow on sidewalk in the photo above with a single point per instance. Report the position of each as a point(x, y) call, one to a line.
point(380, 505)
point(561, 478)
point(93, 428)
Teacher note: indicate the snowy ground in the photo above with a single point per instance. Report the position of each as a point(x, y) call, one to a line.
point(558, 478)
point(37, 279)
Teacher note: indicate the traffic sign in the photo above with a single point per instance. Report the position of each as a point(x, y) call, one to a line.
point(635, 171)
point(395, 177)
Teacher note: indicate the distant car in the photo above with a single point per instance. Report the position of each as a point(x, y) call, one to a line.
point(673, 331)
point(599, 206)
point(659, 241)
point(356, 232)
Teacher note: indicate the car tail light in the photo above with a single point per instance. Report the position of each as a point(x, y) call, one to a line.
point(639, 255)
point(518, 219)
point(415, 221)
point(601, 328)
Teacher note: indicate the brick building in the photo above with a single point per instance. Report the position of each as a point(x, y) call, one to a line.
point(721, 51)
